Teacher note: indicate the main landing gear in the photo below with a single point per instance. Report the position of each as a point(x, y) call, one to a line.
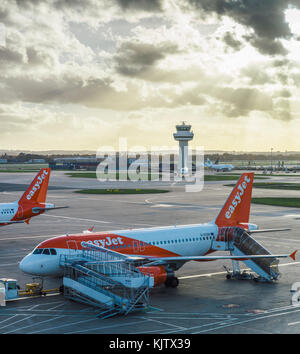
point(172, 282)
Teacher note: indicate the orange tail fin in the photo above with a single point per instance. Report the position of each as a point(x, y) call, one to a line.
point(37, 191)
point(236, 209)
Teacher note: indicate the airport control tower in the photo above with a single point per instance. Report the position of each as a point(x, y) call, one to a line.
point(183, 135)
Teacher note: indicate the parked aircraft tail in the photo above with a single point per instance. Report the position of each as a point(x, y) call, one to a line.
point(37, 191)
point(236, 209)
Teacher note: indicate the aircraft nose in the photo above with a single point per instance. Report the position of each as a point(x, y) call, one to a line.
point(30, 265)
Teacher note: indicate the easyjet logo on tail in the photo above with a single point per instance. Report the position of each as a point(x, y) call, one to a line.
point(37, 185)
point(238, 197)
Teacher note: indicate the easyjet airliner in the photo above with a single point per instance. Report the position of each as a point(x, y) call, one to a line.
point(165, 249)
point(32, 202)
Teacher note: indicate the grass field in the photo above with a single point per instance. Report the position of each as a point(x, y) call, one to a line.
point(273, 185)
point(121, 191)
point(145, 177)
point(285, 202)
point(233, 177)
point(14, 168)
point(111, 176)
point(277, 185)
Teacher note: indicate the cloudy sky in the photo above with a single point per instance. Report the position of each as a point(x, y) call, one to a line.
point(80, 74)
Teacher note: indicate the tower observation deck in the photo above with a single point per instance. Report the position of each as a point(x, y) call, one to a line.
point(183, 135)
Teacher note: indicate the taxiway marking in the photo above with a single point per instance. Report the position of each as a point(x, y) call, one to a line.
point(248, 320)
point(105, 327)
point(72, 218)
point(95, 221)
point(293, 323)
point(34, 324)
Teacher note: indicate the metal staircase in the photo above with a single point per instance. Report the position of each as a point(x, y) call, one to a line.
point(240, 243)
point(105, 279)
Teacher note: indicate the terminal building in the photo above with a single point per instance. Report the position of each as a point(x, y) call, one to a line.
point(91, 163)
point(81, 163)
point(75, 163)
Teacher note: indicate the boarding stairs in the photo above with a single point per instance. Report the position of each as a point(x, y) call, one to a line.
point(105, 279)
point(238, 241)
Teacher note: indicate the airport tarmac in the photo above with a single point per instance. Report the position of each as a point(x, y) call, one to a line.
point(204, 302)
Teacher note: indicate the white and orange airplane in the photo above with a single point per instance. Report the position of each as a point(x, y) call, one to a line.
point(32, 202)
point(165, 249)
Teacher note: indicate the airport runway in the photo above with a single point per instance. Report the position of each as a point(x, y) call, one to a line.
point(204, 302)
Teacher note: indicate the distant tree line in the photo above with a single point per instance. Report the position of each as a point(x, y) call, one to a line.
point(24, 157)
point(253, 157)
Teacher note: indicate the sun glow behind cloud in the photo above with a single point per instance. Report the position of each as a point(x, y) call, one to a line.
point(292, 16)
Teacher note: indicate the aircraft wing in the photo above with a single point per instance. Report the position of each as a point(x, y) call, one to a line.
point(38, 209)
point(266, 230)
point(15, 222)
point(161, 260)
point(11, 222)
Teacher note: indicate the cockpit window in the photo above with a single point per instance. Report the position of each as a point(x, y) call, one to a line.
point(48, 251)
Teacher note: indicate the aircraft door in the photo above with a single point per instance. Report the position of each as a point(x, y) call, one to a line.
point(72, 246)
point(138, 246)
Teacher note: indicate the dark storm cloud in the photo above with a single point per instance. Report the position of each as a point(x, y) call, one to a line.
point(64, 89)
point(71, 89)
point(265, 17)
point(83, 6)
point(265, 46)
point(133, 59)
point(14, 55)
point(10, 57)
point(146, 5)
point(4, 13)
point(231, 41)
point(281, 62)
point(244, 100)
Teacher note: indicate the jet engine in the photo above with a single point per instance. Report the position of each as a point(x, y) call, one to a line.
point(160, 275)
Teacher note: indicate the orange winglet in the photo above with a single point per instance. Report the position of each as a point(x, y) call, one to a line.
point(91, 228)
point(27, 221)
point(293, 255)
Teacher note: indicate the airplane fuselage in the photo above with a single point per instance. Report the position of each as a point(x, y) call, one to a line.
point(185, 240)
point(8, 211)
point(15, 213)
point(218, 167)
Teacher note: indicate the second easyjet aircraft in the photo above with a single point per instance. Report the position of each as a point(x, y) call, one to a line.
point(32, 202)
